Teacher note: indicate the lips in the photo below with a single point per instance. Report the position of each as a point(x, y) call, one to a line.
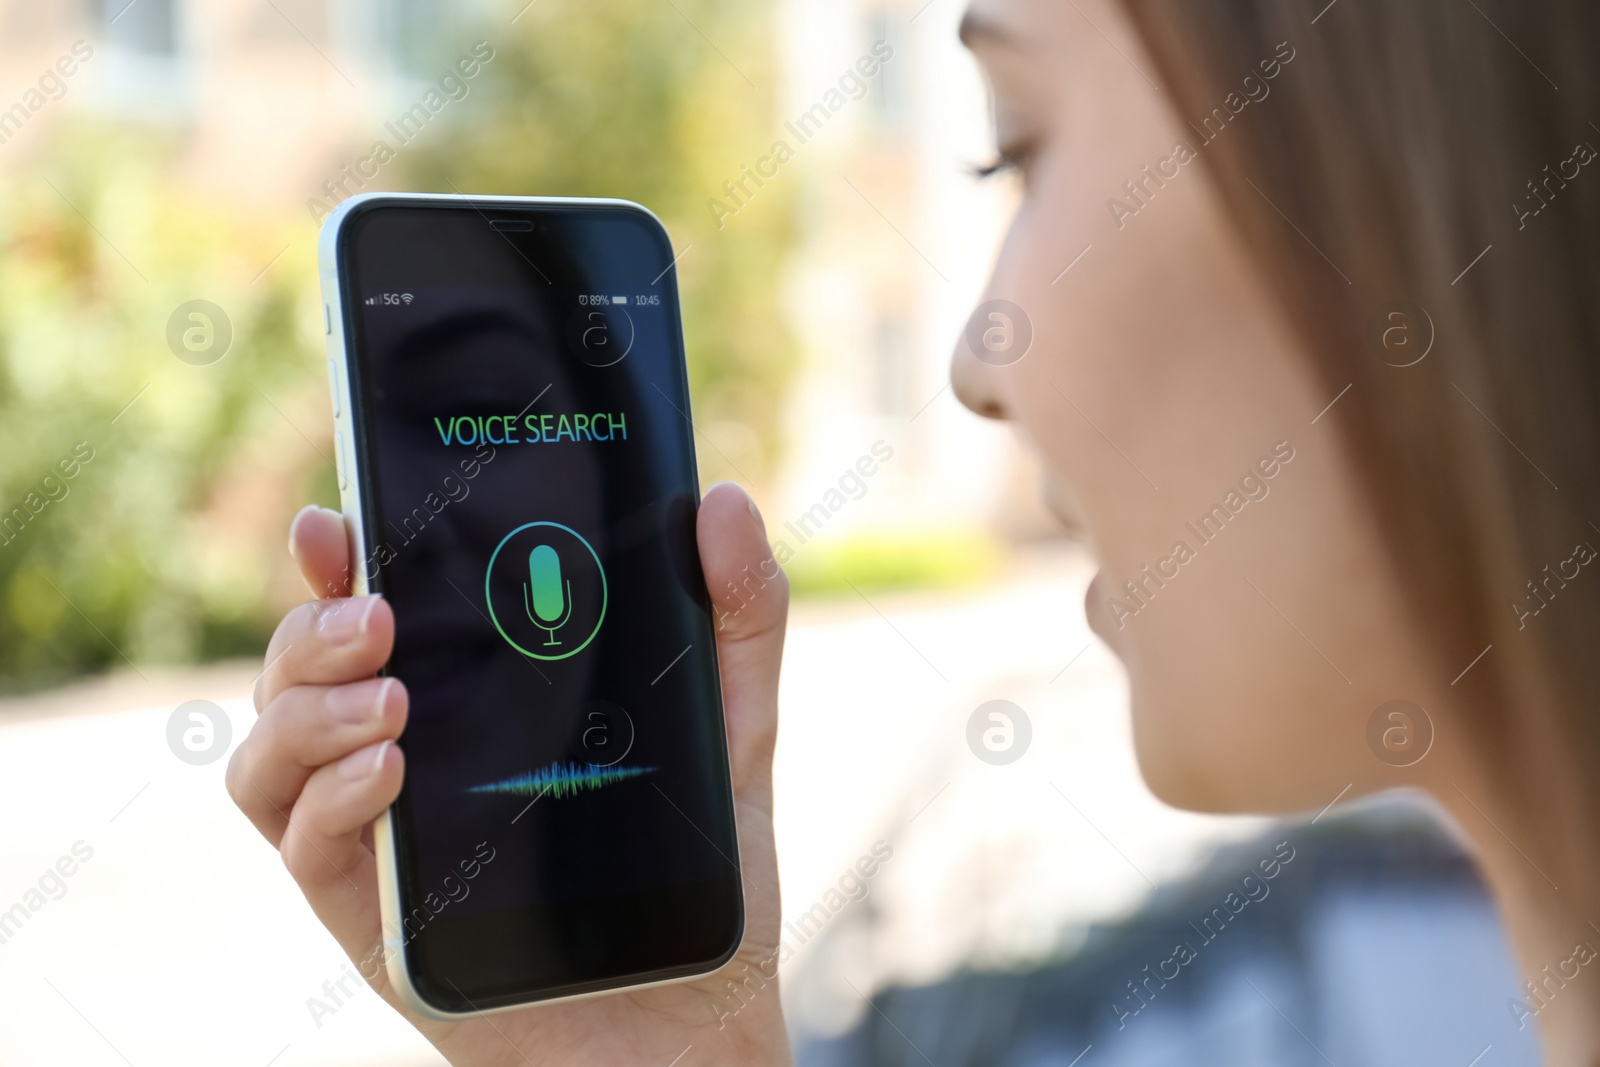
point(1094, 612)
point(1063, 505)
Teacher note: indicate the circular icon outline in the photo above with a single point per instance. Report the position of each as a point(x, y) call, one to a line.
point(633, 730)
point(584, 352)
point(1377, 731)
point(181, 722)
point(979, 323)
point(180, 322)
point(979, 724)
point(488, 597)
point(1378, 332)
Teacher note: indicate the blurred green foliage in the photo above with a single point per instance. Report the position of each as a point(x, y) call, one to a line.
point(167, 545)
point(885, 560)
point(620, 99)
point(156, 550)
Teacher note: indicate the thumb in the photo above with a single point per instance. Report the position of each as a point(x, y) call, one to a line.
point(320, 544)
point(750, 603)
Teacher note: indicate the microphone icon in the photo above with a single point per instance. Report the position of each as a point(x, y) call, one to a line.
point(557, 558)
point(546, 597)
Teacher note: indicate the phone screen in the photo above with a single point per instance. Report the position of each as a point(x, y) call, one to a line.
point(528, 482)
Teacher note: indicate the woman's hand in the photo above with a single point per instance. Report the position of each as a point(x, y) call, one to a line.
point(320, 766)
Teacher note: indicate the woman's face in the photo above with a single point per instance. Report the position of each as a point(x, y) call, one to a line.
point(1241, 578)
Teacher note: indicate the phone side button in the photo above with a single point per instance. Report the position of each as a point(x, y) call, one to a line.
point(327, 320)
point(333, 386)
point(338, 460)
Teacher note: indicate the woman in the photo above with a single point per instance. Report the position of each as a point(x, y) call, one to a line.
point(1311, 298)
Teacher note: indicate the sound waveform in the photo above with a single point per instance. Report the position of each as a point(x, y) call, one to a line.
point(561, 780)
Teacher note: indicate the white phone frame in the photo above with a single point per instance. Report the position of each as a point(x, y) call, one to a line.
point(335, 315)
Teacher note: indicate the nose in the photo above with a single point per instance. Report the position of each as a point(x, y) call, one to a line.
point(975, 376)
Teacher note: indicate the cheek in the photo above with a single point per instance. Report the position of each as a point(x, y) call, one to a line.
point(1113, 399)
point(1254, 672)
point(1156, 382)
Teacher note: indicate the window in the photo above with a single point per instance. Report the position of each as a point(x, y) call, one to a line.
point(889, 94)
point(414, 38)
point(423, 37)
point(141, 27)
point(146, 74)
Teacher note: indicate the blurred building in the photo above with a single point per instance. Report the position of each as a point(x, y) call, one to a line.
point(898, 239)
point(272, 99)
point(280, 85)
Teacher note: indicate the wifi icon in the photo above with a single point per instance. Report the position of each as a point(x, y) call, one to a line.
point(407, 297)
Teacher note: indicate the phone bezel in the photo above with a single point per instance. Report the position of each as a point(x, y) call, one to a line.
point(353, 498)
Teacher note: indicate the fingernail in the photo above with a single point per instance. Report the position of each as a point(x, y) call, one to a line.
point(293, 525)
point(356, 704)
point(363, 762)
point(342, 621)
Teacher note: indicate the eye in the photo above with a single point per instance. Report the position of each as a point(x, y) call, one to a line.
point(998, 165)
point(1008, 159)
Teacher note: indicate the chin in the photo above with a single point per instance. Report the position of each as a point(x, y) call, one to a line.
point(1202, 771)
point(1182, 783)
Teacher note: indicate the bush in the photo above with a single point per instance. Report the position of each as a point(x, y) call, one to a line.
point(166, 544)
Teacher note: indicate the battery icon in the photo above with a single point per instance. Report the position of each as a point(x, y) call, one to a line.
point(619, 300)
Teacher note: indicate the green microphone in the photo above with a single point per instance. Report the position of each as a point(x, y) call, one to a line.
point(545, 597)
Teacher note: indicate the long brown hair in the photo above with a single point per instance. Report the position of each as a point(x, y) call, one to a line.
point(1421, 152)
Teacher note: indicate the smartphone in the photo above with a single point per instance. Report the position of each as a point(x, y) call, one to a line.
point(517, 470)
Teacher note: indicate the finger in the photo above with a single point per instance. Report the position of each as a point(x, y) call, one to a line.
point(747, 586)
point(305, 728)
point(327, 642)
point(322, 846)
point(750, 601)
point(320, 544)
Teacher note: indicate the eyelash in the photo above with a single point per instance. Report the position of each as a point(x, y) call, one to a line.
point(998, 165)
point(1005, 161)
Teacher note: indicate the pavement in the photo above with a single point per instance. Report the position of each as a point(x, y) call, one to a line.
point(180, 939)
